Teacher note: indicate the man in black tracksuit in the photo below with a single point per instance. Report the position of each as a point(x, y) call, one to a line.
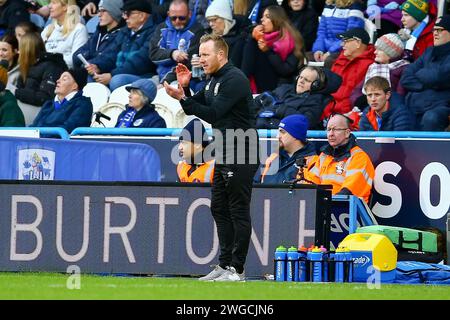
point(226, 103)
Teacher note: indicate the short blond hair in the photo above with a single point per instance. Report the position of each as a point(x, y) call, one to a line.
point(219, 42)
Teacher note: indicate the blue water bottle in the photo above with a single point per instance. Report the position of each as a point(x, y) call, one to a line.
point(316, 257)
point(302, 253)
point(339, 257)
point(349, 263)
point(324, 263)
point(280, 263)
point(292, 264)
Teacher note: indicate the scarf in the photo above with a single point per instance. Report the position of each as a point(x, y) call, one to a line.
point(416, 34)
point(281, 46)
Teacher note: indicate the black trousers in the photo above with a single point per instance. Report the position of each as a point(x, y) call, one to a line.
point(230, 206)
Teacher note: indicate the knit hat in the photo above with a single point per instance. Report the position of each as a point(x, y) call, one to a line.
point(418, 9)
point(147, 87)
point(195, 132)
point(114, 8)
point(138, 5)
point(3, 74)
point(221, 9)
point(391, 44)
point(80, 76)
point(443, 22)
point(296, 125)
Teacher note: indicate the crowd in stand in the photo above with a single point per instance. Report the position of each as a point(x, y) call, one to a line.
point(313, 58)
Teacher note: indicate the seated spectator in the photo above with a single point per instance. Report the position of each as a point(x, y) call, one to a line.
point(9, 52)
point(12, 12)
point(304, 19)
point(39, 72)
point(69, 109)
point(65, 34)
point(386, 110)
point(309, 95)
point(388, 61)
point(418, 18)
point(338, 16)
point(194, 167)
point(275, 53)
point(129, 60)
point(428, 81)
point(387, 13)
point(140, 112)
point(25, 27)
point(293, 146)
point(352, 64)
point(342, 163)
point(232, 28)
point(110, 22)
point(175, 40)
point(10, 113)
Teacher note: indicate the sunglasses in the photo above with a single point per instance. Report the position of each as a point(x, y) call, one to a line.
point(181, 18)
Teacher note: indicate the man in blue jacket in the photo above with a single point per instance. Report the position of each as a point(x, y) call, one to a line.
point(428, 81)
point(293, 147)
point(386, 110)
point(175, 40)
point(69, 109)
point(110, 22)
point(128, 60)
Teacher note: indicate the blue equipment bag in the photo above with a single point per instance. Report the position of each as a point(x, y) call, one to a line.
point(420, 272)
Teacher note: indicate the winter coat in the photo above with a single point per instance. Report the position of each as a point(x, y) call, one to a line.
point(10, 113)
point(166, 39)
point(147, 117)
point(131, 53)
point(306, 21)
point(353, 73)
point(396, 118)
point(99, 43)
point(77, 112)
point(286, 169)
point(13, 12)
point(335, 21)
point(427, 81)
point(66, 45)
point(285, 101)
point(40, 83)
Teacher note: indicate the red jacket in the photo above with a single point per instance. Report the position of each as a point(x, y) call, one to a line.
point(353, 73)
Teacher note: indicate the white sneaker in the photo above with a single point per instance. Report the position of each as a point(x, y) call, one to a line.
point(231, 275)
point(217, 272)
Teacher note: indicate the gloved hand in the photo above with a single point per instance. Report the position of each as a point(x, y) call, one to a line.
point(391, 5)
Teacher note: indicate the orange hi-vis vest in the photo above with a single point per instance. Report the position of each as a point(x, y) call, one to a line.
point(355, 173)
point(203, 173)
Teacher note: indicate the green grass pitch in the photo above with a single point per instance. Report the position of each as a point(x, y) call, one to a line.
point(54, 286)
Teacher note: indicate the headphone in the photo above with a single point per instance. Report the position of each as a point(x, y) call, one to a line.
point(317, 84)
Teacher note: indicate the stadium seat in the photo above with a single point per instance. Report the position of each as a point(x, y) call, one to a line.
point(112, 110)
point(98, 93)
point(162, 98)
point(119, 95)
point(92, 24)
point(166, 114)
point(181, 119)
point(37, 20)
point(29, 111)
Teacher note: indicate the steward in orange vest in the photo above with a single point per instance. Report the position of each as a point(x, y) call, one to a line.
point(193, 167)
point(342, 163)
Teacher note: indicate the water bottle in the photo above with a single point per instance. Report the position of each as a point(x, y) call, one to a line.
point(182, 45)
point(302, 257)
point(197, 71)
point(324, 263)
point(339, 257)
point(280, 263)
point(316, 257)
point(349, 264)
point(292, 264)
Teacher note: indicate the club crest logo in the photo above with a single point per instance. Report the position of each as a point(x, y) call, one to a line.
point(36, 164)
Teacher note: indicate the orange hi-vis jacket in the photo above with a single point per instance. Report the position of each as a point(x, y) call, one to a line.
point(203, 173)
point(352, 170)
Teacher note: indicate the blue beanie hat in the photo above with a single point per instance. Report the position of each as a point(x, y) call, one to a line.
point(296, 125)
point(195, 132)
point(148, 88)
